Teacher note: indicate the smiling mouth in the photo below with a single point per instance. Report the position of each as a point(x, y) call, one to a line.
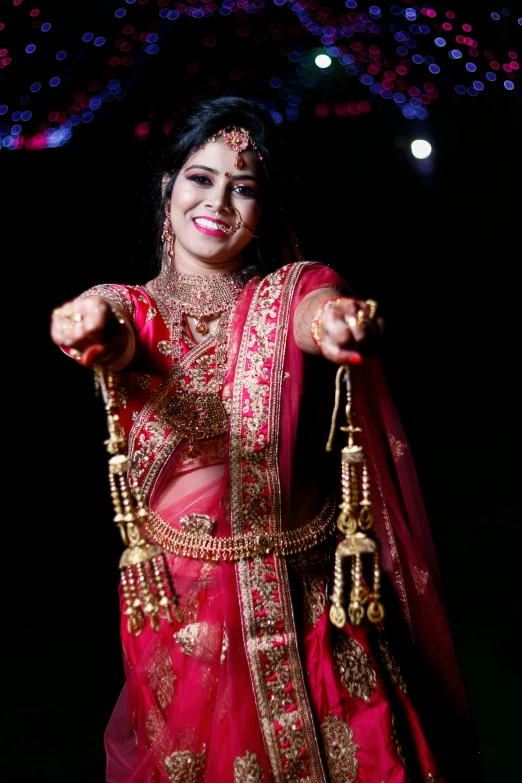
point(214, 226)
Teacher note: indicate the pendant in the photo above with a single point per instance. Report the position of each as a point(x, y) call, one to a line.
point(201, 327)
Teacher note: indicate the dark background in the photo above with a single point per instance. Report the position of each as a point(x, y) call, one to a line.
point(439, 252)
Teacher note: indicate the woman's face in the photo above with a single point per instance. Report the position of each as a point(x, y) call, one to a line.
point(208, 197)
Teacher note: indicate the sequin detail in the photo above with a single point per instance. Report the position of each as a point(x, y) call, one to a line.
point(247, 770)
point(354, 666)
point(340, 750)
point(161, 677)
point(184, 766)
point(420, 578)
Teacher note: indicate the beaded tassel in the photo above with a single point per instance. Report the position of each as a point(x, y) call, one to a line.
point(145, 577)
point(354, 522)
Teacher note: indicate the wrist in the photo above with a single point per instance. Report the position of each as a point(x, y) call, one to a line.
point(316, 327)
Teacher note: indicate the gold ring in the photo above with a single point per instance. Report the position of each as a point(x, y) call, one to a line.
point(75, 354)
point(58, 312)
point(361, 315)
point(76, 317)
point(67, 325)
point(372, 304)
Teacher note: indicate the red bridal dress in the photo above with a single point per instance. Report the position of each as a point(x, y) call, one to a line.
point(256, 685)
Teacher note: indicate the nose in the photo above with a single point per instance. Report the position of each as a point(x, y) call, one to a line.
point(220, 201)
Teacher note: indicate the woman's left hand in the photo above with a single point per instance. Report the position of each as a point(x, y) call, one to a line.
point(347, 328)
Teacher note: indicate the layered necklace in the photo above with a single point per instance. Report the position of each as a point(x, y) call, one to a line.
point(196, 410)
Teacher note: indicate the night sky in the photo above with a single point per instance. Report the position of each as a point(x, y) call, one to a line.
point(438, 249)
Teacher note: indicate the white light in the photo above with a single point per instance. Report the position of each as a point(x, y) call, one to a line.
point(420, 149)
point(323, 61)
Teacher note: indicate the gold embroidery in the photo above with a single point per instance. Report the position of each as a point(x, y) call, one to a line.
point(154, 723)
point(197, 523)
point(165, 347)
point(392, 667)
point(161, 677)
point(115, 294)
point(190, 607)
point(314, 598)
point(247, 770)
point(420, 578)
point(186, 637)
point(184, 766)
point(273, 657)
point(144, 380)
point(353, 663)
point(224, 645)
point(340, 750)
point(397, 448)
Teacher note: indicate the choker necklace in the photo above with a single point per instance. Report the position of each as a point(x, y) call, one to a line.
point(199, 295)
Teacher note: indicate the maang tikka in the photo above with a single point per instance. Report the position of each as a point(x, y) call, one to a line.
point(237, 140)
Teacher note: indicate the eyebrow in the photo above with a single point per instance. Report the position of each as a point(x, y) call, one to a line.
point(215, 171)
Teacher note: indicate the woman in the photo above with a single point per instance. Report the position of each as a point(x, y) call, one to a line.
point(215, 363)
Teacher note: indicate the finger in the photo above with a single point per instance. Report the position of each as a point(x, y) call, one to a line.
point(339, 355)
point(94, 355)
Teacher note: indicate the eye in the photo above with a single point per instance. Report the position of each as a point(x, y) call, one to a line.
point(200, 179)
point(245, 190)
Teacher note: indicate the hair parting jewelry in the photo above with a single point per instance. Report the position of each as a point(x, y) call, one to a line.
point(237, 140)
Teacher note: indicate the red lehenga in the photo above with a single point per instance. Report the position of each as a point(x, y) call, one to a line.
point(256, 684)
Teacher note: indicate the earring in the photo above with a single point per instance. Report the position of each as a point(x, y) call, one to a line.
point(168, 236)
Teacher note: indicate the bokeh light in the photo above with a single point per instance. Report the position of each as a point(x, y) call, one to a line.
point(383, 51)
point(323, 61)
point(420, 149)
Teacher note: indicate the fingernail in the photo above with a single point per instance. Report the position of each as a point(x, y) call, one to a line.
point(355, 358)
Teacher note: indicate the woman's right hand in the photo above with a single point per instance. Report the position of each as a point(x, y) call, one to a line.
point(93, 332)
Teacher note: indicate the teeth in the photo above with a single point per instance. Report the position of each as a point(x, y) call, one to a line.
point(210, 224)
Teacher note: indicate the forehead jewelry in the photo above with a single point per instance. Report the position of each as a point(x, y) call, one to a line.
point(237, 140)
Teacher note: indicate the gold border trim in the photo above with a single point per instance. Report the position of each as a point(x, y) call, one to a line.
point(286, 767)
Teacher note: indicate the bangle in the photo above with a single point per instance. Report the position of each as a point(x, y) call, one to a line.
point(316, 328)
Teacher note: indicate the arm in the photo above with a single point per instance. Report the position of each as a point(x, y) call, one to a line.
point(345, 327)
point(94, 331)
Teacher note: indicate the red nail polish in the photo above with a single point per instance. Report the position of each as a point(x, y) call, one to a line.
point(355, 358)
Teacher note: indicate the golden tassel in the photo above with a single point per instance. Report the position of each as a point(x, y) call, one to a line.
point(354, 522)
point(145, 577)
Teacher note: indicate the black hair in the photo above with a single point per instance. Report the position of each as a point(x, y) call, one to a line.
point(276, 245)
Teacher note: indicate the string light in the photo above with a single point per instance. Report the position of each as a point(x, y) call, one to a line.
point(386, 50)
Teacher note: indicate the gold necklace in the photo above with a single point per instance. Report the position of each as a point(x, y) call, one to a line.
point(199, 295)
point(199, 413)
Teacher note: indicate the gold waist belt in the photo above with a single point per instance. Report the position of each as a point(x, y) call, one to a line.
point(202, 546)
